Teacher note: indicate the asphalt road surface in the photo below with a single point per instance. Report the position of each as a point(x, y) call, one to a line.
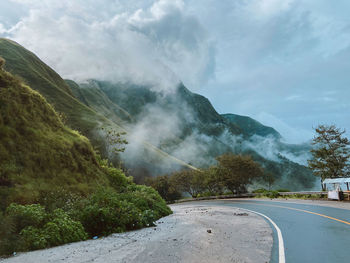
point(310, 233)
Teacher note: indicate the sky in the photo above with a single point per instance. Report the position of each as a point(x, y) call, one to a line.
point(285, 63)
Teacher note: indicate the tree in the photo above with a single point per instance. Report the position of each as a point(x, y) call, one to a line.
point(237, 171)
point(164, 186)
point(190, 181)
point(269, 179)
point(271, 172)
point(212, 180)
point(115, 139)
point(330, 156)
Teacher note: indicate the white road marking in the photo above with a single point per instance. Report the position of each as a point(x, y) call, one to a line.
point(281, 254)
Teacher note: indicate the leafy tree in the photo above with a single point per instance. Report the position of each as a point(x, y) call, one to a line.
point(330, 157)
point(189, 181)
point(115, 139)
point(271, 172)
point(237, 171)
point(269, 179)
point(165, 187)
point(213, 181)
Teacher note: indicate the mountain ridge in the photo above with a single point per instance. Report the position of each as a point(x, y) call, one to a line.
point(164, 128)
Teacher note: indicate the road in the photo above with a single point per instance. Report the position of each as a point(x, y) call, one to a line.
point(311, 233)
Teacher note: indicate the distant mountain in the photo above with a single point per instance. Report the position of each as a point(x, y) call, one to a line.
point(250, 126)
point(198, 133)
point(167, 130)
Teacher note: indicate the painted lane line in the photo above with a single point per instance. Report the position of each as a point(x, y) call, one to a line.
point(310, 212)
point(301, 210)
point(281, 254)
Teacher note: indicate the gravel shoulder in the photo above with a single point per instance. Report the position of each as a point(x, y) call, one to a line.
point(193, 233)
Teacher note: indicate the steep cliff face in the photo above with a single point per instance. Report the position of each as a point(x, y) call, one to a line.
point(37, 151)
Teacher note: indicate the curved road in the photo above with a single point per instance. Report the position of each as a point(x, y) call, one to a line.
point(311, 233)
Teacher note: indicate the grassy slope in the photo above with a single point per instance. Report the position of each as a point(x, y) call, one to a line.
point(94, 98)
point(40, 77)
point(25, 64)
point(37, 151)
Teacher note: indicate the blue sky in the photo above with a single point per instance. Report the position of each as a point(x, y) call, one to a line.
point(284, 62)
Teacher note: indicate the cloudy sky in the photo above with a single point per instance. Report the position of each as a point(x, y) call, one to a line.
point(284, 62)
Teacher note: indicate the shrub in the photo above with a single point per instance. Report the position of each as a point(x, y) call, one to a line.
point(146, 198)
point(104, 213)
point(59, 229)
point(272, 194)
point(58, 197)
point(107, 211)
point(10, 241)
point(30, 227)
point(260, 191)
point(26, 215)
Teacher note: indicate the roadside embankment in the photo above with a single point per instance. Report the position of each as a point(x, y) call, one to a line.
point(193, 233)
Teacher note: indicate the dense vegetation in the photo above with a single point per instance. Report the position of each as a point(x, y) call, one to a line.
point(54, 188)
point(232, 173)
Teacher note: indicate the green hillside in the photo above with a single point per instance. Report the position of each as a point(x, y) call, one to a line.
point(68, 100)
point(54, 189)
point(37, 151)
point(38, 75)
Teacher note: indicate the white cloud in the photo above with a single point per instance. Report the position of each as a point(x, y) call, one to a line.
point(2, 29)
point(289, 134)
point(248, 57)
point(154, 44)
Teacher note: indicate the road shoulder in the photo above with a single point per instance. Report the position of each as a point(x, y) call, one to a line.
point(194, 233)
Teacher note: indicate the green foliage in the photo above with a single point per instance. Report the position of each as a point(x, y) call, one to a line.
point(190, 181)
point(233, 172)
point(115, 139)
point(26, 215)
point(27, 227)
point(59, 229)
point(330, 157)
point(115, 176)
point(237, 171)
point(57, 167)
point(283, 190)
point(10, 241)
point(259, 191)
point(213, 181)
point(48, 154)
point(164, 186)
point(272, 194)
point(104, 213)
point(107, 211)
point(58, 197)
point(146, 198)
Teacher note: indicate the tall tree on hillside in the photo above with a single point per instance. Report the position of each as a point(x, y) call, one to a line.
point(330, 156)
point(237, 171)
